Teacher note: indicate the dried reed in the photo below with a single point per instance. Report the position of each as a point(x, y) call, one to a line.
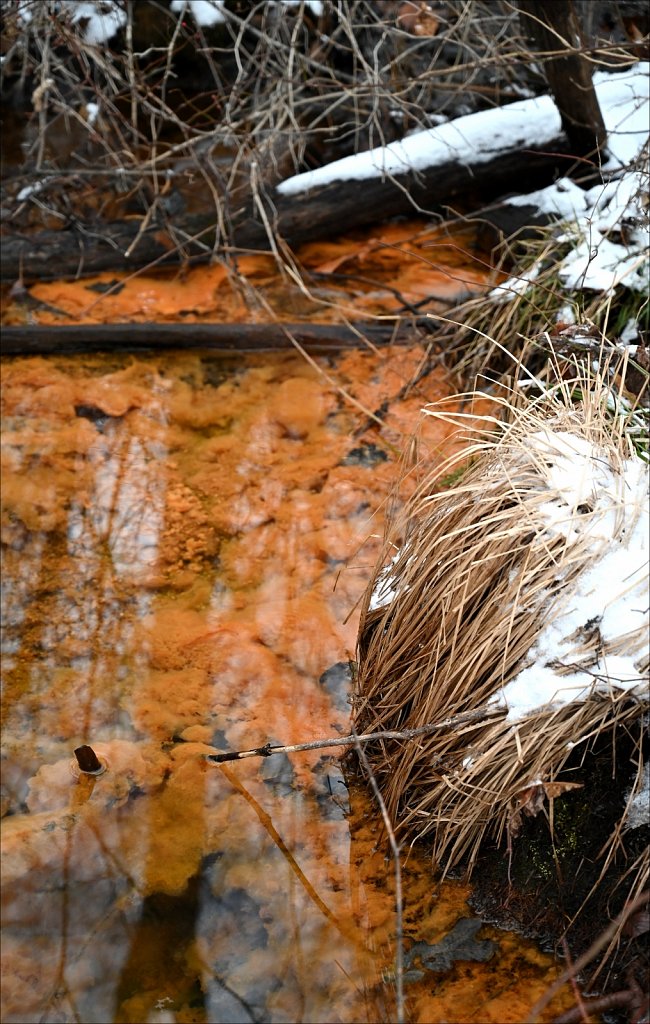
point(469, 578)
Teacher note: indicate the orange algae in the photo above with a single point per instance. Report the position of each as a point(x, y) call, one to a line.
point(182, 564)
point(381, 270)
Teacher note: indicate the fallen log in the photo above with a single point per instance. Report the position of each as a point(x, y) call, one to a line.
point(330, 209)
point(45, 339)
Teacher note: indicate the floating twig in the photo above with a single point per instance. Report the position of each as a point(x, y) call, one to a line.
point(470, 718)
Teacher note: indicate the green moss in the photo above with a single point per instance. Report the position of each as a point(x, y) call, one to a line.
point(453, 478)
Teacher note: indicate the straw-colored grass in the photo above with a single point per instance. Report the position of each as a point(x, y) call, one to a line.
point(475, 573)
point(517, 318)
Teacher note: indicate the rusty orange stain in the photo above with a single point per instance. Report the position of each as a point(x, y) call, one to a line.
point(364, 274)
point(183, 569)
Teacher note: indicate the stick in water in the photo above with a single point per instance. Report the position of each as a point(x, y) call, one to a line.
point(467, 718)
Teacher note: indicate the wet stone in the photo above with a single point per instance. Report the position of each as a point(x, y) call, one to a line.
point(218, 372)
point(277, 773)
point(459, 944)
point(337, 682)
point(95, 415)
point(331, 790)
point(219, 740)
point(366, 455)
point(102, 287)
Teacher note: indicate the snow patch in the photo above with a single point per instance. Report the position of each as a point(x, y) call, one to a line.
point(98, 21)
point(205, 12)
point(315, 6)
point(610, 595)
point(638, 809)
point(563, 198)
point(384, 591)
point(92, 113)
point(29, 190)
point(630, 334)
point(588, 496)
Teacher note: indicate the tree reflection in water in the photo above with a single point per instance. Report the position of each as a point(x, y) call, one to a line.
point(182, 561)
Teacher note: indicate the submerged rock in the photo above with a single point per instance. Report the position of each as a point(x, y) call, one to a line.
point(459, 944)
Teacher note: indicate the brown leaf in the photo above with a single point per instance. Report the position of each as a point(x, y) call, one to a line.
point(529, 801)
point(360, 253)
point(417, 18)
point(554, 789)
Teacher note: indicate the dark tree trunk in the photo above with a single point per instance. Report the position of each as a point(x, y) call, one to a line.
point(86, 249)
point(45, 339)
point(569, 76)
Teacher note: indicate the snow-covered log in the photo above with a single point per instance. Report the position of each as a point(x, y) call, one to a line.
point(465, 162)
point(324, 211)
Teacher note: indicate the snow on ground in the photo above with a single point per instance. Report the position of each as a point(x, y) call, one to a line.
point(606, 229)
point(586, 497)
point(611, 594)
point(623, 100)
point(609, 242)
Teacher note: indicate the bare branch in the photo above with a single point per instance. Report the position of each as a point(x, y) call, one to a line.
point(455, 723)
point(395, 850)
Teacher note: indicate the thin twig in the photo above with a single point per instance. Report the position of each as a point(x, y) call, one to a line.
point(581, 1012)
point(395, 850)
point(479, 716)
point(598, 1005)
point(589, 955)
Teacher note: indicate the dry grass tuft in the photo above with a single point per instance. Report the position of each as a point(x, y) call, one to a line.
point(471, 575)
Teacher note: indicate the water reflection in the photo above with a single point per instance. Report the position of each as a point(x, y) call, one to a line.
point(172, 584)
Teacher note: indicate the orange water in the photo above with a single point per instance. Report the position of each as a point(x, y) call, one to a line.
point(185, 542)
point(409, 266)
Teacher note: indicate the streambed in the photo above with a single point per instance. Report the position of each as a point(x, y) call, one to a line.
point(185, 541)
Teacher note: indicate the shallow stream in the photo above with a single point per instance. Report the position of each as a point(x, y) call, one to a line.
point(186, 538)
